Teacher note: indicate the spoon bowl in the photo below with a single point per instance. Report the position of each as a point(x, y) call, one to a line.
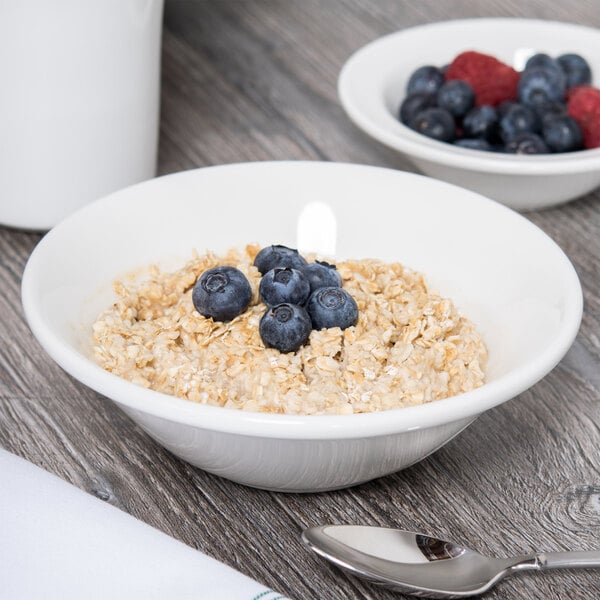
point(420, 565)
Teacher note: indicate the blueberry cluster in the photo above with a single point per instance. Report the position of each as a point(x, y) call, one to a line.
point(299, 297)
point(535, 123)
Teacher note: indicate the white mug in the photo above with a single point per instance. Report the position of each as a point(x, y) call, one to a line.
point(79, 104)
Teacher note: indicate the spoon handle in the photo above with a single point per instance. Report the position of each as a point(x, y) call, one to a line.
point(569, 560)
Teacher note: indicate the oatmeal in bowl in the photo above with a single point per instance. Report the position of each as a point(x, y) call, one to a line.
point(500, 279)
point(405, 346)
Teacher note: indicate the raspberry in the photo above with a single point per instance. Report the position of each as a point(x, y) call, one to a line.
point(584, 107)
point(586, 94)
point(492, 80)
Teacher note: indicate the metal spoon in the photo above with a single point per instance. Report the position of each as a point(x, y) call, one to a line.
point(424, 566)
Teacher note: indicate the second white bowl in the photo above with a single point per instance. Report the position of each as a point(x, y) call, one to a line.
point(372, 85)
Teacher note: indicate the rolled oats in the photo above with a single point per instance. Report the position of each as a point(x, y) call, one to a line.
point(409, 346)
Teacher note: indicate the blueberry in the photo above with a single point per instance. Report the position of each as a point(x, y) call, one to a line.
point(457, 97)
point(322, 274)
point(426, 79)
point(527, 143)
point(549, 111)
point(332, 307)
point(540, 86)
point(563, 134)
point(504, 107)
point(414, 104)
point(222, 293)
point(480, 122)
point(576, 69)
point(285, 327)
point(474, 144)
point(283, 284)
point(435, 123)
point(518, 119)
point(278, 256)
point(541, 60)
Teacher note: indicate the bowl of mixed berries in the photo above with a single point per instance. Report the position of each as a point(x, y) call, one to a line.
point(507, 107)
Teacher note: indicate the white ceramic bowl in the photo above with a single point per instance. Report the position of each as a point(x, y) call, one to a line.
point(372, 85)
point(504, 273)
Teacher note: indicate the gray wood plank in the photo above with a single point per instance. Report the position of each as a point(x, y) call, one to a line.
point(256, 80)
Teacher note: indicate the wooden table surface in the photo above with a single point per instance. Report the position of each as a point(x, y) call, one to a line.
point(256, 80)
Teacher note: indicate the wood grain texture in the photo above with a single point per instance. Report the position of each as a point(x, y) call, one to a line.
point(255, 80)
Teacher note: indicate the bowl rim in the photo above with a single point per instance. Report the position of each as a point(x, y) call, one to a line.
point(403, 139)
point(307, 427)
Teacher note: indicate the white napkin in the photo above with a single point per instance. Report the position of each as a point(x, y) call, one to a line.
point(57, 542)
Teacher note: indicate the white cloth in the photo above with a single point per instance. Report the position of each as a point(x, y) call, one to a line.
point(57, 542)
